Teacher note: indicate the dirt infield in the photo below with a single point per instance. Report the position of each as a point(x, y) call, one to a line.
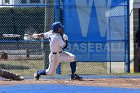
point(106, 82)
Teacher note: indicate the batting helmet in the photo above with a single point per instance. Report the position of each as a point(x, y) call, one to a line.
point(55, 26)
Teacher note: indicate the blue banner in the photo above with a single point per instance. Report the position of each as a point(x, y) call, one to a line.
point(97, 29)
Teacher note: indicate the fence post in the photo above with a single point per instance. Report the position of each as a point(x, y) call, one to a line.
point(49, 19)
point(128, 37)
point(57, 18)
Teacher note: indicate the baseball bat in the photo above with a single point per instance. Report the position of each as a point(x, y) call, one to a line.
point(26, 36)
point(10, 35)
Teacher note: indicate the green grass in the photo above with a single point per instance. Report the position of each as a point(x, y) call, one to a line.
point(24, 67)
point(29, 67)
point(86, 68)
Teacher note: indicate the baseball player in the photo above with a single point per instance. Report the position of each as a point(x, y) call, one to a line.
point(58, 41)
point(9, 75)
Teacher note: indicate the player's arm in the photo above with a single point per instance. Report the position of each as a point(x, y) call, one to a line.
point(41, 35)
point(63, 42)
point(65, 38)
point(38, 36)
point(66, 44)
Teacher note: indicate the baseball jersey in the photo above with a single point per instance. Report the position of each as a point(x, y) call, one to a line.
point(56, 41)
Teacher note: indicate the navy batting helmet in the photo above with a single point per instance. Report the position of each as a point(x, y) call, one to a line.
point(55, 26)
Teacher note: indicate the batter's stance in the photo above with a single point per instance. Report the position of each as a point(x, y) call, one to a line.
point(58, 42)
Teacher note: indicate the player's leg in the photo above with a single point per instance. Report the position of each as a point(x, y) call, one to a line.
point(11, 76)
point(39, 73)
point(68, 57)
point(73, 71)
point(53, 63)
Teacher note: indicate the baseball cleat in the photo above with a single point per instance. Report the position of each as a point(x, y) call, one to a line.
point(75, 77)
point(17, 77)
point(20, 78)
point(36, 76)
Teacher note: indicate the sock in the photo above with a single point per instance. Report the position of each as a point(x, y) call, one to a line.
point(42, 72)
point(73, 67)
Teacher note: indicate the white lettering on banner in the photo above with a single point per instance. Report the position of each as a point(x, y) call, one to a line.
point(95, 47)
point(101, 8)
point(84, 11)
point(84, 8)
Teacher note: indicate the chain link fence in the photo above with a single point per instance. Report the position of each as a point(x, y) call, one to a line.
point(26, 57)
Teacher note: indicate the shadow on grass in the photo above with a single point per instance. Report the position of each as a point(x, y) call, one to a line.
point(11, 67)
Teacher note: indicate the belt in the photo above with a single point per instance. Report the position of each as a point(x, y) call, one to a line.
point(57, 52)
